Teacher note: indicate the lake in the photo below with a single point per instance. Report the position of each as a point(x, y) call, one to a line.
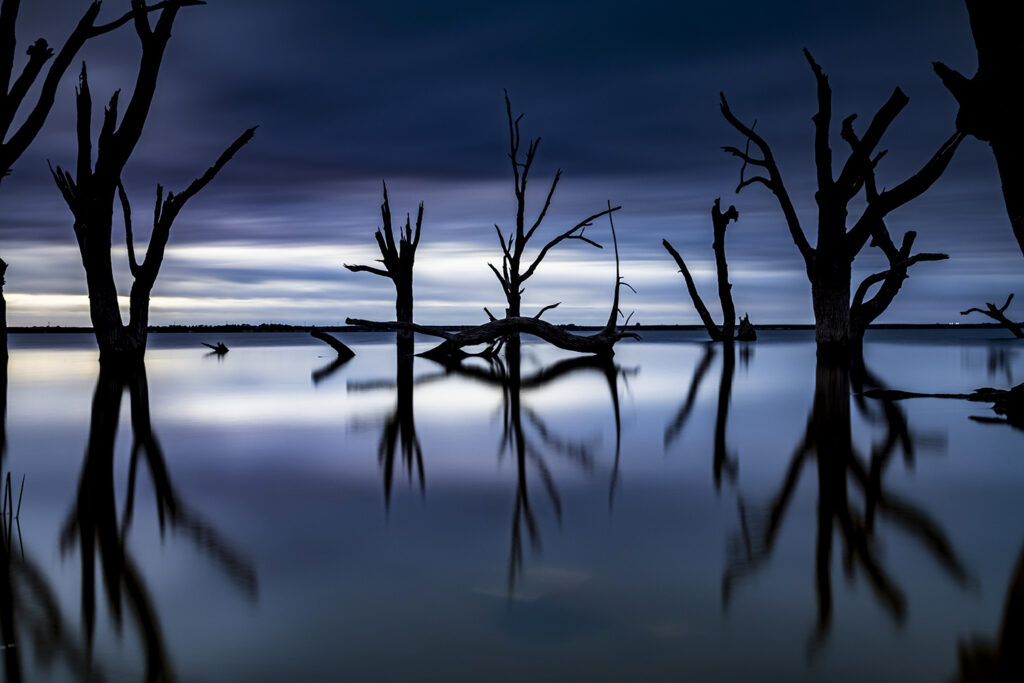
point(683, 514)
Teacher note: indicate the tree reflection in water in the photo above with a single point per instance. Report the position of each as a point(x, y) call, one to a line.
point(828, 443)
point(93, 525)
point(1001, 660)
point(527, 437)
point(723, 461)
point(398, 435)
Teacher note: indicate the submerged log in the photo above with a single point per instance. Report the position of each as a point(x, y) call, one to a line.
point(1006, 402)
point(219, 348)
point(344, 352)
point(600, 344)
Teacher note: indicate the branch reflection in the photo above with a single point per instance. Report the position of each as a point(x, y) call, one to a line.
point(828, 443)
point(94, 528)
point(527, 437)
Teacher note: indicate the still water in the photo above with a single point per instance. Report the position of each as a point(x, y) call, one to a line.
point(684, 514)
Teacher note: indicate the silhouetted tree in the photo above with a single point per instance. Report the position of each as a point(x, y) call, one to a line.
point(989, 108)
point(15, 88)
point(839, 321)
point(727, 332)
point(90, 196)
point(514, 271)
point(601, 344)
point(398, 260)
point(999, 315)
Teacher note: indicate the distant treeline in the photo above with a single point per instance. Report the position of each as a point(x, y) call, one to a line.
point(281, 327)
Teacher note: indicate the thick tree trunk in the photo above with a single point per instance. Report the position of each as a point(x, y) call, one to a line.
point(830, 295)
point(1009, 152)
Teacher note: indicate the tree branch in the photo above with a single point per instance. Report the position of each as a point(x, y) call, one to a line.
point(776, 184)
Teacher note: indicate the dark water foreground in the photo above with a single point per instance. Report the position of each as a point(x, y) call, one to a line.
point(685, 514)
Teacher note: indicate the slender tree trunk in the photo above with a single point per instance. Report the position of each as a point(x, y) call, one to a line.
point(3, 314)
point(403, 310)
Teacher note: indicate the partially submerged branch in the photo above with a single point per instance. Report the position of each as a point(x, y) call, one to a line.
point(344, 352)
point(999, 315)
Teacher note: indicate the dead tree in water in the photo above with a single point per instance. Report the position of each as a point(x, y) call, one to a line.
point(600, 344)
point(14, 89)
point(512, 275)
point(999, 315)
point(840, 322)
point(90, 196)
point(727, 332)
point(398, 260)
point(989, 108)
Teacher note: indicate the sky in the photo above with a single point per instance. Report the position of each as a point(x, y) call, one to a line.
point(625, 96)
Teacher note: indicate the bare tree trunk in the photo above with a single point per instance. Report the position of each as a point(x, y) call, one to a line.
point(830, 296)
point(3, 313)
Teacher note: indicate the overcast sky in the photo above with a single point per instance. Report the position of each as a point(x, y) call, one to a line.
point(624, 94)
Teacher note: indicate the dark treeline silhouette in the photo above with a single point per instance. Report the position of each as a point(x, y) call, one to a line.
point(841, 522)
point(840, 321)
point(727, 332)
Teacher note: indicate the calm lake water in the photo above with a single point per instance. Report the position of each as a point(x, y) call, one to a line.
point(685, 514)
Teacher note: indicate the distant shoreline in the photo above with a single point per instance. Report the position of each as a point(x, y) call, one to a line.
point(278, 327)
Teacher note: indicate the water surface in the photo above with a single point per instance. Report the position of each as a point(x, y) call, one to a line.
point(685, 513)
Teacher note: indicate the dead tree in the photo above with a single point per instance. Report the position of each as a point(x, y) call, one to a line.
point(398, 260)
point(989, 108)
point(15, 88)
point(491, 333)
point(840, 322)
point(999, 315)
point(90, 196)
point(514, 270)
point(727, 332)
